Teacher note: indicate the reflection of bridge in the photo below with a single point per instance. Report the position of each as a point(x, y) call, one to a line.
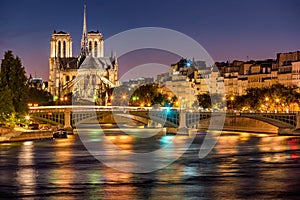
point(70, 116)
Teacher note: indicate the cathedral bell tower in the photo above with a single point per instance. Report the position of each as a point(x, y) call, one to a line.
point(60, 47)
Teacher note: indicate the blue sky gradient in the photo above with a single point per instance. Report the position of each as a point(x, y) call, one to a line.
point(228, 30)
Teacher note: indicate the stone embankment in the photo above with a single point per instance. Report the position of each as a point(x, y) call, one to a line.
point(19, 134)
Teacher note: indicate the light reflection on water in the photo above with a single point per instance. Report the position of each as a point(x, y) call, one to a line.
point(26, 173)
point(241, 166)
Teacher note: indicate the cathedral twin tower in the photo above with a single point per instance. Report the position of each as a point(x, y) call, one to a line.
point(64, 68)
point(61, 44)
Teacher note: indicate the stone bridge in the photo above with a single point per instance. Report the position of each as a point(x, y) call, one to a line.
point(286, 122)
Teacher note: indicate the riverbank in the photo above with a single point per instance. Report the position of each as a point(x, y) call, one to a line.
point(20, 134)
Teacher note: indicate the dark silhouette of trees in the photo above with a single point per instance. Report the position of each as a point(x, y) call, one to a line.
point(204, 100)
point(274, 98)
point(13, 81)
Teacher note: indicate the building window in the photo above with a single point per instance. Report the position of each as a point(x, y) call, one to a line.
point(96, 49)
point(64, 49)
point(90, 46)
point(73, 77)
point(59, 49)
point(67, 78)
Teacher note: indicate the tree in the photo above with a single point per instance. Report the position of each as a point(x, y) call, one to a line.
point(6, 104)
point(42, 97)
point(204, 100)
point(13, 77)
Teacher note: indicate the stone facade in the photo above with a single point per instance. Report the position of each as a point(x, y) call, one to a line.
point(230, 79)
point(64, 67)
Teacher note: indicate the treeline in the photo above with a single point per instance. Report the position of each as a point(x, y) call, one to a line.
point(15, 93)
point(273, 98)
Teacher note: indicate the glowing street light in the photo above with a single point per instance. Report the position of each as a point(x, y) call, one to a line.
point(27, 117)
point(277, 101)
point(232, 99)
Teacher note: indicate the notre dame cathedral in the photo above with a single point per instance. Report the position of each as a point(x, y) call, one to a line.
point(83, 76)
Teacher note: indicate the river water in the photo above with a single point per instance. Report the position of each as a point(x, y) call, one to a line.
point(240, 166)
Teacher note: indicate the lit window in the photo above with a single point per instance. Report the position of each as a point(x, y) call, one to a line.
point(90, 46)
point(64, 49)
point(96, 48)
point(59, 49)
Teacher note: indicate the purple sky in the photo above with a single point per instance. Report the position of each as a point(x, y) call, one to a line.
point(228, 30)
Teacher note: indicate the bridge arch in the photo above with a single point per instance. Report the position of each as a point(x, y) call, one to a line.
point(60, 115)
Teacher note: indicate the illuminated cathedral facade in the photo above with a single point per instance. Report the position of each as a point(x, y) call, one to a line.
point(69, 74)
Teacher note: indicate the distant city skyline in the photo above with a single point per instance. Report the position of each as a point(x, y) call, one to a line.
point(228, 30)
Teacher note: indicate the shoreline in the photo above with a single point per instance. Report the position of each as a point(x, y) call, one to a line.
point(26, 135)
point(30, 135)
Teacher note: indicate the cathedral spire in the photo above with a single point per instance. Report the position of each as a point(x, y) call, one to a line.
point(84, 37)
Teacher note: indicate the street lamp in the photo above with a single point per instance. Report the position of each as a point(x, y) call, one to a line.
point(262, 107)
point(267, 99)
point(277, 101)
point(124, 98)
point(232, 99)
point(27, 117)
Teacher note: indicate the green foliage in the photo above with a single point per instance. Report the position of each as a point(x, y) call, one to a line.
point(276, 97)
point(158, 99)
point(11, 120)
point(6, 104)
point(12, 77)
point(40, 97)
point(204, 100)
point(144, 95)
point(207, 100)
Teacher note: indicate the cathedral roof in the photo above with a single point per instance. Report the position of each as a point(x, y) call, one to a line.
point(94, 31)
point(91, 62)
point(59, 32)
point(68, 63)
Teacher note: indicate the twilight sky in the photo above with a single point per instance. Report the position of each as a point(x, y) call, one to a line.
point(228, 29)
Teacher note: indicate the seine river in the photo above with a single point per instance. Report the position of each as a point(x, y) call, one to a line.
point(240, 166)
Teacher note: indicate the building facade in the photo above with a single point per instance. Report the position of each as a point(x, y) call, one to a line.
point(230, 78)
point(64, 68)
